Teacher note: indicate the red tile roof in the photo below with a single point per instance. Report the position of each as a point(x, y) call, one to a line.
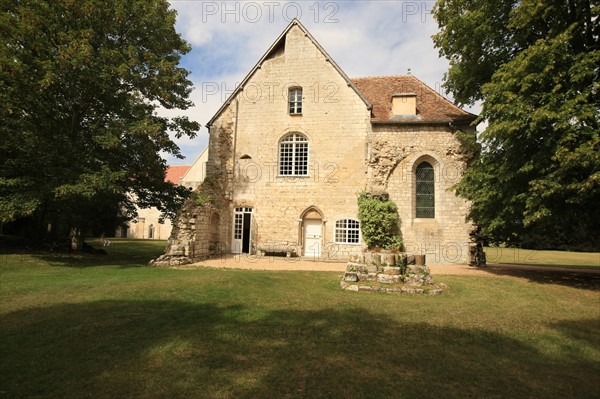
point(175, 173)
point(431, 106)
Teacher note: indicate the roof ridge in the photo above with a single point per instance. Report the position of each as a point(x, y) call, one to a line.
point(282, 35)
point(382, 76)
point(443, 97)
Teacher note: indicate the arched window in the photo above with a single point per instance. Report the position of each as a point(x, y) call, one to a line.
point(347, 231)
point(293, 155)
point(425, 191)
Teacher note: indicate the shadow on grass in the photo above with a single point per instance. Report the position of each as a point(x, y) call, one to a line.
point(587, 331)
point(122, 253)
point(584, 279)
point(177, 349)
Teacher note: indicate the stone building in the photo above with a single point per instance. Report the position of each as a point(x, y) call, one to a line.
point(147, 225)
point(296, 142)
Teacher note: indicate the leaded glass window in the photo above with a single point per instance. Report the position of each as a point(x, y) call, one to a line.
point(425, 192)
point(293, 155)
point(347, 231)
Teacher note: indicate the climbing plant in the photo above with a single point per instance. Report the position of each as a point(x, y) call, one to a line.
point(379, 221)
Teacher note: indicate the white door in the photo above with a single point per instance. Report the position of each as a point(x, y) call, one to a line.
point(312, 238)
point(242, 221)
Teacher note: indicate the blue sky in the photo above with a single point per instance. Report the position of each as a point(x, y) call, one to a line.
point(366, 38)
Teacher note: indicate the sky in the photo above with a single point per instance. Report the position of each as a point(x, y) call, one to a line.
point(365, 38)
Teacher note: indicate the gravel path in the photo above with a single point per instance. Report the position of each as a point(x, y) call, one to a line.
point(251, 262)
point(279, 263)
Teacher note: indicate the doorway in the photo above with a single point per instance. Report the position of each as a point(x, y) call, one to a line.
point(242, 230)
point(313, 235)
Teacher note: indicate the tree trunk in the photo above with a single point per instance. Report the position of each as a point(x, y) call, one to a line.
point(76, 239)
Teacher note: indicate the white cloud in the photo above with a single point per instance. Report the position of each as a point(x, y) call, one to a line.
point(366, 38)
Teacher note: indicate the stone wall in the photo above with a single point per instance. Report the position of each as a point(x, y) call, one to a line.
point(347, 154)
point(335, 121)
point(396, 152)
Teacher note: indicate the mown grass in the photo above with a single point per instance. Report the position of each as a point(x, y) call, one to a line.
point(532, 257)
point(110, 326)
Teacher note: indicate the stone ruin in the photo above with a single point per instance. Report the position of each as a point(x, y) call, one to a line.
point(195, 236)
point(391, 273)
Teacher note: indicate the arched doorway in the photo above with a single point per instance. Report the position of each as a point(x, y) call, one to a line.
point(312, 232)
point(151, 231)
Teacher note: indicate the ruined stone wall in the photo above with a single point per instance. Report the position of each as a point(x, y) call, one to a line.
point(396, 151)
point(201, 226)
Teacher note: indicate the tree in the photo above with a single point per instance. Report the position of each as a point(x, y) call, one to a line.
point(535, 177)
point(80, 85)
point(379, 221)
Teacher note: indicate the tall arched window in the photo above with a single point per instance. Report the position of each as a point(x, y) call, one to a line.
point(425, 191)
point(293, 155)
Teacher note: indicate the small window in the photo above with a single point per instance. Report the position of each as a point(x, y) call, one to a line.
point(425, 191)
point(295, 101)
point(293, 155)
point(347, 231)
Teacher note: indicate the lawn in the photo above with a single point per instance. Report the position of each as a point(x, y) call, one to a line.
point(107, 327)
point(532, 257)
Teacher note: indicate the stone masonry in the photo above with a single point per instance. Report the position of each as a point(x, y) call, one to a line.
point(352, 147)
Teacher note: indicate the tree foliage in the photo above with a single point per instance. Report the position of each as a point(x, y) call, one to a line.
point(379, 221)
point(80, 85)
point(535, 179)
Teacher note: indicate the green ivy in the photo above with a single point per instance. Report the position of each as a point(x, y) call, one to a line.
point(379, 221)
point(203, 199)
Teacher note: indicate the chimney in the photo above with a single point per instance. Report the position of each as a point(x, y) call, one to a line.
point(404, 104)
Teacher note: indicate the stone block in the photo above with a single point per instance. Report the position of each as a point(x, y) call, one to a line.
point(389, 259)
point(391, 270)
point(351, 277)
point(356, 267)
point(384, 279)
point(372, 277)
point(372, 268)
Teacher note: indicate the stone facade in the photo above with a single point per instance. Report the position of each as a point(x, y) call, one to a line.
point(352, 146)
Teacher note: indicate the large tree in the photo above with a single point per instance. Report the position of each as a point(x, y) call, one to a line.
point(80, 85)
point(535, 176)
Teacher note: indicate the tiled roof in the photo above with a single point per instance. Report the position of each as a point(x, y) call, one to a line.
point(175, 173)
point(431, 106)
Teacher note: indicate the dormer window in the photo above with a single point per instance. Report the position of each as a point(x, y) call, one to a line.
point(295, 101)
point(404, 104)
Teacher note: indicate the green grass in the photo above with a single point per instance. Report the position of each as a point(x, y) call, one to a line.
point(530, 257)
point(106, 327)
